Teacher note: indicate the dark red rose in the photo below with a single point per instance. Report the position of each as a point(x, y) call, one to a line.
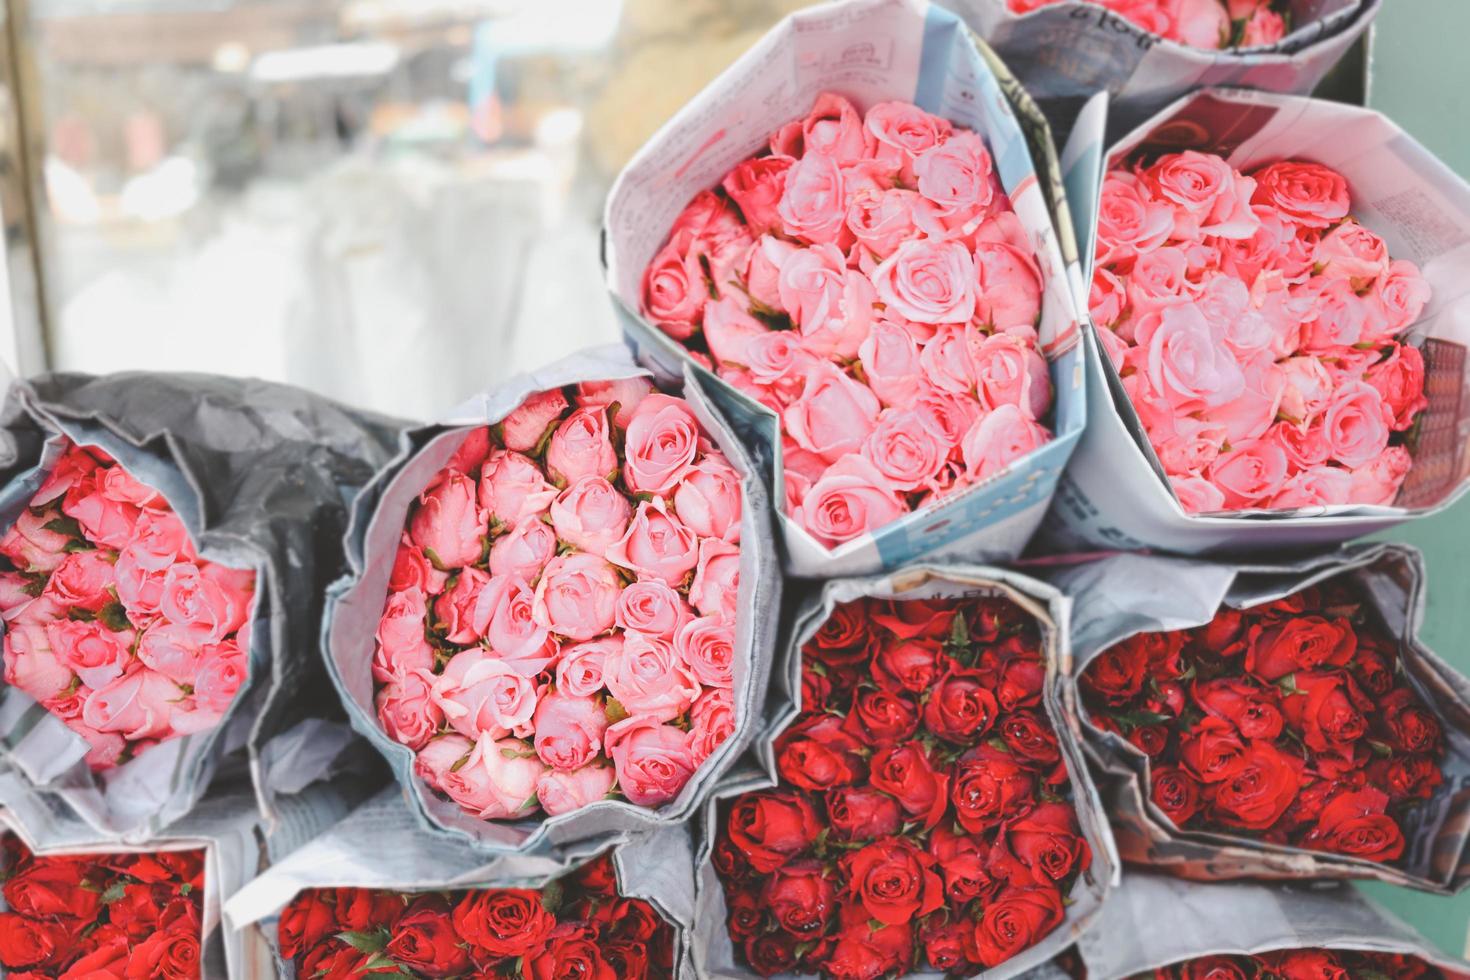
point(1398, 966)
point(366, 909)
point(1259, 789)
point(106, 957)
point(1409, 726)
point(1047, 842)
point(1117, 674)
point(802, 899)
point(177, 866)
point(1211, 751)
point(816, 686)
point(1215, 968)
point(49, 889)
point(1223, 636)
point(744, 913)
point(635, 919)
point(1405, 777)
point(1031, 738)
point(31, 942)
point(1016, 920)
point(1165, 654)
point(1306, 964)
point(909, 619)
point(962, 866)
point(909, 665)
point(961, 707)
point(1357, 824)
point(1253, 710)
point(305, 922)
point(172, 954)
point(944, 944)
point(862, 813)
point(863, 952)
point(1170, 700)
point(627, 958)
point(817, 754)
point(906, 773)
point(1328, 710)
point(882, 717)
point(570, 951)
point(1373, 665)
point(894, 880)
point(1020, 684)
point(1302, 643)
point(502, 921)
point(844, 639)
point(991, 618)
point(1175, 792)
point(1310, 799)
point(424, 940)
point(772, 827)
point(771, 953)
point(597, 877)
point(332, 960)
point(729, 862)
point(1151, 740)
point(990, 786)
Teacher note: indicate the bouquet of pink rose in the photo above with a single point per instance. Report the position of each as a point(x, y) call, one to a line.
point(866, 279)
point(1197, 23)
point(112, 622)
point(1257, 327)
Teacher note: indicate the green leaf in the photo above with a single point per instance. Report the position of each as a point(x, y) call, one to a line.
point(73, 547)
point(614, 711)
point(186, 888)
point(1381, 749)
point(1130, 720)
point(81, 615)
point(114, 893)
point(114, 617)
point(61, 524)
point(1287, 684)
point(459, 763)
point(551, 896)
point(517, 753)
point(366, 942)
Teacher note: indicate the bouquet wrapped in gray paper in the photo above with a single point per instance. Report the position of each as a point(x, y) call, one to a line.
point(557, 624)
point(1276, 720)
point(918, 804)
point(168, 539)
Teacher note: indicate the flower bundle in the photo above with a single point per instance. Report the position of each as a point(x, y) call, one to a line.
point(559, 626)
point(924, 812)
point(577, 926)
point(1209, 24)
point(1302, 964)
point(1290, 722)
point(866, 279)
point(1257, 330)
point(112, 622)
point(130, 916)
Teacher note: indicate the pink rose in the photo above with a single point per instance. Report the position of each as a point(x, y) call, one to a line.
point(763, 271)
point(82, 580)
point(1304, 446)
point(458, 608)
point(524, 552)
point(1251, 413)
point(514, 631)
point(890, 360)
point(833, 127)
point(1306, 388)
point(32, 548)
point(851, 499)
point(103, 520)
point(777, 359)
point(402, 642)
point(1265, 27)
point(406, 709)
point(1203, 24)
point(756, 186)
point(883, 220)
point(657, 545)
point(579, 671)
point(1159, 278)
point(1194, 446)
point(902, 132)
point(471, 454)
point(497, 780)
point(928, 281)
point(173, 651)
point(1357, 424)
point(716, 586)
point(117, 484)
point(1399, 378)
point(1318, 486)
point(136, 705)
point(1249, 473)
point(1309, 194)
point(1352, 252)
point(814, 201)
point(660, 445)
point(729, 331)
point(1107, 299)
point(31, 664)
point(159, 541)
point(75, 466)
point(448, 523)
point(946, 360)
point(481, 694)
point(569, 731)
point(956, 176)
point(947, 416)
point(1130, 220)
point(648, 676)
point(1009, 371)
point(708, 498)
point(651, 607)
point(1379, 480)
point(412, 570)
point(580, 446)
point(591, 514)
point(95, 653)
point(833, 415)
point(524, 428)
point(904, 451)
point(439, 758)
point(999, 439)
point(1196, 494)
point(625, 393)
point(1337, 316)
point(512, 488)
point(210, 599)
point(1186, 363)
point(830, 303)
point(674, 294)
point(1007, 285)
point(577, 595)
point(1400, 296)
point(711, 721)
point(707, 645)
point(653, 760)
point(223, 668)
point(563, 792)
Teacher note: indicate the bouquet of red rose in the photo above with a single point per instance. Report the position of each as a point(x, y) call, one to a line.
point(576, 926)
point(101, 915)
point(113, 623)
point(1292, 718)
point(1302, 964)
point(925, 815)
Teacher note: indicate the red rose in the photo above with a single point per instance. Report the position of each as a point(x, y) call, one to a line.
point(628, 959)
point(961, 866)
point(107, 958)
point(179, 866)
point(1302, 643)
point(991, 617)
point(1020, 684)
point(1031, 739)
point(424, 940)
point(1398, 965)
point(944, 944)
point(771, 953)
point(961, 707)
point(909, 619)
point(744, 914)
point(1151, 740)
point(1252, 709)
point(31, 942)
point(772, 827)
point(844, 639)
point(729, 862)
point(1407, 724)
point(1211, 751)
point(989, 787)
point(366, 909)
point(862, 813)
point(906, 773)
point(1259, 788)
point(597, 877)
point(1405, 777)
point(172, 954)
point(801, 898)
point(304, 923)
point(816, 686)
point(1223, 636)
point(817, 754)
point(1046, 841)
point(570, 951)
point(1116, 675)
point(1215, 968)
point(1356, 824)
point(893, 880)
point(333, 960)
point(1176, 793)
point(863, 952)
point(1016, 920)
point(1328, 711)
point(136, 913)
point(1373, 666)
point(882, 717)
point(910, 665)
point(49, 888)
point(635, 919)
point(1306, 964)
point(503, 921)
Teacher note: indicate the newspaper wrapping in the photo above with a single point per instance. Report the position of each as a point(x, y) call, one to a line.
point(1066, 52)
point(382, 845)
point(714, 954)
point(1151, 921)
point(260, 474)
point(868, 51)
point(355, 604)
point(1119, 596)
point(1114, 494)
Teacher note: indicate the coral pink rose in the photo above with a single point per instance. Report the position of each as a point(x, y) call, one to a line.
point(137, 705)
point(209, 599)
point(458, 608)
point(579, 671)
point(1400, 295)
point(449, 523)
point(1399, 378)
point(711, 721)
point(756, 186)
point(591, 514)
point(1250, 474)
point(1306, 388)
point(625, 393)
point(223, 669)
point(1318, 486)
point(413, 570)
point(524, 428)
point(1009, 371)
point(902, 132)
point(32, 548)
point(890, 360)
point(407, 710)
point(928, 281)
point(497, 780)
point(1007, 286)
point(1357, 424)
point(904, 451)
point(729, 331)
point(1185, 361)
point(830, 303)
point(1352, 252)
point(1194, 446)
point(1337, 315)
point(1309, 194)
point(104, 520)
point(513, 630)
point(653, 760)
point(716, 586)
point(471, 454)
point(833, 415)
point(1264, 27)
point(707, 499)
point(851, 499)
point(577, 596)
point(814, 201)
point(674, 292)
point(707, 646)
point(81, 581)
point(524, 552)
point(563, 792)
point(656, 545)
point(1196, 494)
point(653, 608)
point(1202, 24)
point(1130, 220)
point(402, 642)
point(95, 653)
point(649, 677)
point(1378, 482)
point(881, 221)
point(999, 439)
point(439, 758)
point(1304, 445)
point(661, 443)
point(832, 127)
point(956, 176)
point(171, 650)
point(480, 693)
point(513, 488)
point(581, 446)
point(1210, 198)
point(31, 664)
point(568, 731)
point(159, 541)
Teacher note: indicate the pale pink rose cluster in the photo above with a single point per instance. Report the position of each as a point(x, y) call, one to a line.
point(560, 622)
point(867, 280)
point(112, 621)
point(1210, 24)
point(1255, 324)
